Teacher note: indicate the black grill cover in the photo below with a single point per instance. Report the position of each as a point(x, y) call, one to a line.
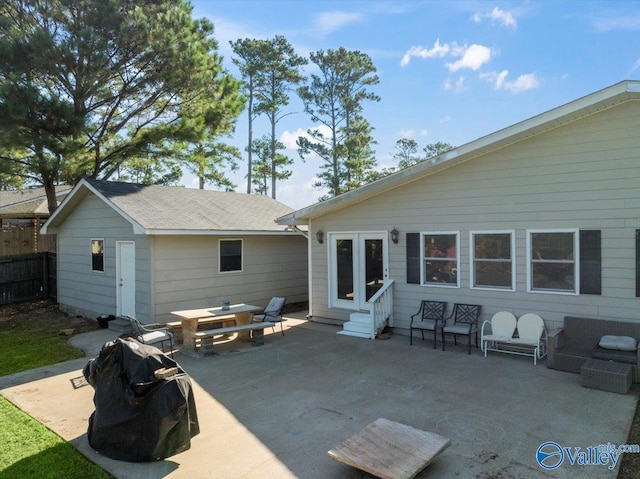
point(139, 417)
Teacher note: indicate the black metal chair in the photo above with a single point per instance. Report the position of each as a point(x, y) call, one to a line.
point(430, 317)
point(465, 322)
point(273, 312)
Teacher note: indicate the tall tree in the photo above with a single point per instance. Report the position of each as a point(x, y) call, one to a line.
point(248, 60)
point(334, 98)
point(87, 86)
point(406, 149)
point(434, 149)
point(209, 160)
point(269, 168)
point(270, 68)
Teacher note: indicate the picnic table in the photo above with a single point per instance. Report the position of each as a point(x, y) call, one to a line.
point(242, 313)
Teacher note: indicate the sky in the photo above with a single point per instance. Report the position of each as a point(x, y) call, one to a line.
point(450, 71)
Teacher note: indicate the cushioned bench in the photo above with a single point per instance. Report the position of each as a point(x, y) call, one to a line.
point(577, 341)
point(206, 338)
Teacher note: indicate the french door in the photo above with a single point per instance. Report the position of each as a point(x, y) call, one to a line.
point(358, 266)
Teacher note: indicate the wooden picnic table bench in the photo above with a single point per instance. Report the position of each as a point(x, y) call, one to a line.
point(208, 322)
point(205, 338)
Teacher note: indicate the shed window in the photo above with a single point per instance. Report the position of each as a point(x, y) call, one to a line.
point(440, 258)
point(552, 261)
point(492, 264)
point(97, 255)
point(230, 255)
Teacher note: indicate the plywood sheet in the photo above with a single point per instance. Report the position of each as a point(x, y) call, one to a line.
point(390, 450)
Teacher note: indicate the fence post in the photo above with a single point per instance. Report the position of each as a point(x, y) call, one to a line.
point(45, 274)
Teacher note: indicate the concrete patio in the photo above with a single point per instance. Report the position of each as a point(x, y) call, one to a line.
point(275, 411)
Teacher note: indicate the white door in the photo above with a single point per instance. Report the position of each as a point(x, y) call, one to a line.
point(358, 266)
point(126, 278)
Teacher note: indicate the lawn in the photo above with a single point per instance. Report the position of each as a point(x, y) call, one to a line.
point(34, 335)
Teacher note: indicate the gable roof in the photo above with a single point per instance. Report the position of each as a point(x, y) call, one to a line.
point(28, 202)
point(575, 110)
point(153, 209)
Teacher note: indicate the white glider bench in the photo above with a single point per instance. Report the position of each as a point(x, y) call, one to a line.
point(206, 338)
point(530, 340)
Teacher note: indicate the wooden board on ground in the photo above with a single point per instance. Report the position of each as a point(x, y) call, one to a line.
point(390, 450)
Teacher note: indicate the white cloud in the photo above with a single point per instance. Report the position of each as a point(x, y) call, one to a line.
point(458, 85)
point(329, 22)
point(424, 132)
point(438, 50)
point(522, 83)
point(506, 19)
point(623, 22)
point(289, 138)
point(635, 66)
point(473, 57)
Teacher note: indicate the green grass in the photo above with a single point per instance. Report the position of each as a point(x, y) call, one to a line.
point(29, 349)
point(30, 450)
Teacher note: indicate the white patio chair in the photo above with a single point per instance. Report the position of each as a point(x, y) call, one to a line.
point(151, 334)
point(532, 332)
point(503, 325)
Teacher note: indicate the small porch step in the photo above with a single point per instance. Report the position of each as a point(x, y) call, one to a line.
point(359, 325)
point(120, 325)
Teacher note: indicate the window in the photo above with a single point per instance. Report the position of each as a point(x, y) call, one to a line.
point(552, 262)
point(440, 258)
point(230, 255)
point(97, 255)
point(492, 264)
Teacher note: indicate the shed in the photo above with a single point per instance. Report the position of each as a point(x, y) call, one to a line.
point(146, 250)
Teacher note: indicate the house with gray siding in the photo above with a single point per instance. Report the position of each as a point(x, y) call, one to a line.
point(541, 217)
point(147, 250)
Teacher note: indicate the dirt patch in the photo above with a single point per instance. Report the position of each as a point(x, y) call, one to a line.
point(42, 315)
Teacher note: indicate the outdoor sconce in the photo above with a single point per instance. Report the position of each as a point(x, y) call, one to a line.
point(320, 236)
point(395, 235)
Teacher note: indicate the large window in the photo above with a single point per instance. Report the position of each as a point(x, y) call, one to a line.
point(230, 255)
point(552, 262)
point(492, 264)
point(97, 255)
point(440, 258)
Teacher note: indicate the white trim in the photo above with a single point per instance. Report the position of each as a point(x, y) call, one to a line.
point(472, 269)
point(152, 232)
point(220, 256)
point(423, 259)
point(576, 261)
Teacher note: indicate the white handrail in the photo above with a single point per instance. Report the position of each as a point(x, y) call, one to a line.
point(381, 307)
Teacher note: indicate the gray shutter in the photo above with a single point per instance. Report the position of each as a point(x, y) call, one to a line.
point(590, 262)
point(413, 258)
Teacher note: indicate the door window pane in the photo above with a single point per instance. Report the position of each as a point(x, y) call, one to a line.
point(373, 266)
point(344, 267)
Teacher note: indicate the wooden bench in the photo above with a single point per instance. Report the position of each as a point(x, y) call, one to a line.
point(176, 326)
point(206, 338)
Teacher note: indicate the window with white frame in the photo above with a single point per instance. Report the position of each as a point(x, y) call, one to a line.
point(492, 260)
point(230, 255)
point(440, 258)
point(552, 261)
point(97, 255)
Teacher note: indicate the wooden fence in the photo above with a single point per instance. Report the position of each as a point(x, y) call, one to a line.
point(27, 276)
point(25, 239)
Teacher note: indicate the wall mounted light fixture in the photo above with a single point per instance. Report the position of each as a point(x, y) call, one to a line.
point(395, 235)
point(320, 236)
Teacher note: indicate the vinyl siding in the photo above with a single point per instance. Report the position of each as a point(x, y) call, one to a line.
point(584, 175)
point(186, 272)
point(82, 291)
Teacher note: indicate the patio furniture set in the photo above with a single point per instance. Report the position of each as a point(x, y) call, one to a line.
point(605, 353)
point(245, 320)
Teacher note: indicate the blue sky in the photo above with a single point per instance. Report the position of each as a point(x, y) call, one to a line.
point(449, 71)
